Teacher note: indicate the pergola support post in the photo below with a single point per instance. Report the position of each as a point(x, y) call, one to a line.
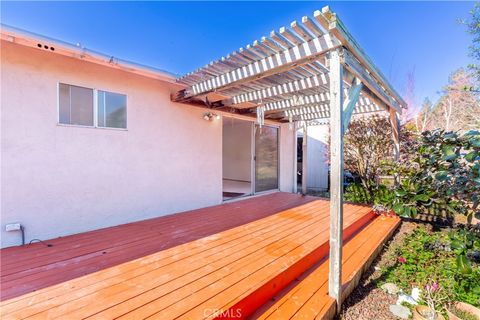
point(304, 159)
point(336, 177)
point(395, 123)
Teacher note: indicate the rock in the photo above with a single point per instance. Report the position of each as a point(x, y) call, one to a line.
point(410, 299)
point(390, 288)
point(406, 298)
point(400, 311)
point(415, 294)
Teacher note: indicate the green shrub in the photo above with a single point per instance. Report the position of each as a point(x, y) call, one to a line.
point(380, 194)
point(357, 193)
point(446, 171)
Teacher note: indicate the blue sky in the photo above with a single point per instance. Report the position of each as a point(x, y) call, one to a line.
point(182, 36)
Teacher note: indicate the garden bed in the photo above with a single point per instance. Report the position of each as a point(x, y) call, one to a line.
point(419, 254)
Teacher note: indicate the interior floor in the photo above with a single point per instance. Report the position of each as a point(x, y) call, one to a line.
point(236, 188)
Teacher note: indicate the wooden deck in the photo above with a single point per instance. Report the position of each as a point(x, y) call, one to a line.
point(231, 274)
point(32, 267)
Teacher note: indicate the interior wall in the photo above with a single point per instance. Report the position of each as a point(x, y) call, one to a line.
point(237, 149)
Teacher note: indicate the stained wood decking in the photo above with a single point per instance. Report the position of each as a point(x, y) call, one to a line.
point(32, 267)
point(230, 274)
point(307, 298)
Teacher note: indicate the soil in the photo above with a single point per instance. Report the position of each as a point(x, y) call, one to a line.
point(368, 301)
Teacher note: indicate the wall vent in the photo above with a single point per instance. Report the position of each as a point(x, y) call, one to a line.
point(44, 46)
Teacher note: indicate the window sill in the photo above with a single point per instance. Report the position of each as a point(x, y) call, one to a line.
point(90, 127)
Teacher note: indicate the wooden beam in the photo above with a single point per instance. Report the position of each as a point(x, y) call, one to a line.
point(350, 103)
point(318, 98)
point(395, 123)
point(354, 66)
point(312, 26)
point(301, 31)
point(304, 159)
point(324, 115)
point(336, 177)
point(285, 88)
point(308, 109)
point(330, 21)
point(280, 62)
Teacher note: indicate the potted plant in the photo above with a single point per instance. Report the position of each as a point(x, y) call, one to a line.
point(434, 298)
point(463, 311)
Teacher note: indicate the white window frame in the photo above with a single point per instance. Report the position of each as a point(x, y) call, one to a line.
point(95, 108)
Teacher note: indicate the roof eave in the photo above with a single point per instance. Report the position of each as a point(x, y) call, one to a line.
point(33, 40)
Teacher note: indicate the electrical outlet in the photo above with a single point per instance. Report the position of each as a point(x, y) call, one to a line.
point(13, 226)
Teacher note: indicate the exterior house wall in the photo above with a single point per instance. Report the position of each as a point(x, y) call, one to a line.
point(58, 180)
point(288, 145)
point(317, 153)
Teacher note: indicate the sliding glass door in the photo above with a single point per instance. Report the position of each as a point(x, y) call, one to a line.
point(266, 158)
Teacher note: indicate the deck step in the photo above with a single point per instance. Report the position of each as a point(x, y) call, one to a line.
point(237, 270)
point(281, 278)
point(308, 298)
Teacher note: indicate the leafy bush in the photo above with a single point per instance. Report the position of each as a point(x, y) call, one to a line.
point(379, 194)
point(357, 193)
point(464, 242)
point(443, 171)
point(446, 171)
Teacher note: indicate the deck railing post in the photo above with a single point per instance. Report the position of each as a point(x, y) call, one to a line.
point(336, 177)
point(304, 158)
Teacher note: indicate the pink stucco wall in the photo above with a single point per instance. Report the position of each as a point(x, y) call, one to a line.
point(58, 180)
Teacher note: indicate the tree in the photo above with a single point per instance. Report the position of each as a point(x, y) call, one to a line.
point(411, 110)
point(368, 144)
point(423, 118)
point(473, 27)
point(458, 107)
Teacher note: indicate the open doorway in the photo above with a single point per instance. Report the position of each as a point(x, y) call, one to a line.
point(237, 158)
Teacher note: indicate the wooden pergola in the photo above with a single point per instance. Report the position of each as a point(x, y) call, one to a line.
point(313, 71)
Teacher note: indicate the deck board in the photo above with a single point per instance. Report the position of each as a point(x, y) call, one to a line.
point(32, 267)
point(160, 264)
point(237, 268)
point(309, 298)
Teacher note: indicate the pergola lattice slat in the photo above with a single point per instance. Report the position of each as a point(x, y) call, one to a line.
point(296, 55)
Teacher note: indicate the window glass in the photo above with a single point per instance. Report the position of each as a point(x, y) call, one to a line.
point(266, 158)
point(81, 106)
point(75, 105)
point(64, 103)
point(112, 110)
